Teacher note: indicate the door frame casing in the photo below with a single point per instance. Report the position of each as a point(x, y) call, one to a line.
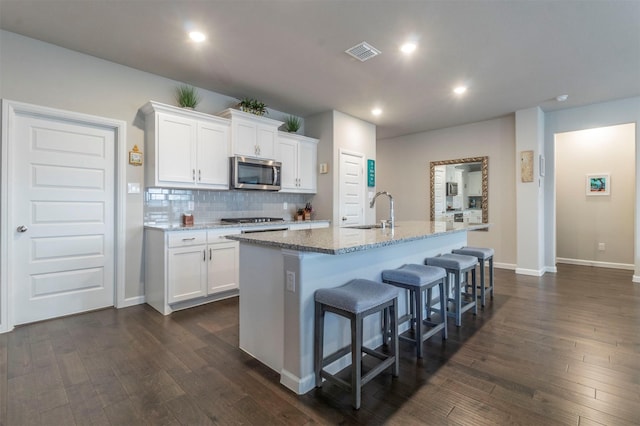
point(9, 110)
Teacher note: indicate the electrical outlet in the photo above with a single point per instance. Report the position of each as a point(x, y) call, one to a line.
point(285, 206)
point(600, 246)
point(291, 281)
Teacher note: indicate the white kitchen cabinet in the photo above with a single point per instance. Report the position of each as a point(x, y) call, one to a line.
point(185, 148)
point(186, 273)
point(474, 184)
point(189, 268)
point(252, 135)
point(298, 155)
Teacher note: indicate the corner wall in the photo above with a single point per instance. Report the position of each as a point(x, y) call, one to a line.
point(403, 170)
point(592, 116)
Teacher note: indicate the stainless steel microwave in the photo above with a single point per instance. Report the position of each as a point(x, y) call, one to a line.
point(255, 173)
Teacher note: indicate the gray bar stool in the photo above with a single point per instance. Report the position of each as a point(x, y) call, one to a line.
point(482, 254)
point(458, 264)
point(355, 300)
point(418, 279)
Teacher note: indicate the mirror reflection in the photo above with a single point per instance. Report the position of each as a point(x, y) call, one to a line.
point(459, 190)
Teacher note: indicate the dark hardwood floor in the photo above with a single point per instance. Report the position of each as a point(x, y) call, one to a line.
point(561, 349)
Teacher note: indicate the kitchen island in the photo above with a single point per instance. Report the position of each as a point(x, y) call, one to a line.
point(281, 270)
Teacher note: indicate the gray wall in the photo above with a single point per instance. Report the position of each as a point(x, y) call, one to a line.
point(403, 170)
point(582, 221)
point(588, 117)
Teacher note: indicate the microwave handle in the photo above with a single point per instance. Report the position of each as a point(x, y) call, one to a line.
point(275, 175)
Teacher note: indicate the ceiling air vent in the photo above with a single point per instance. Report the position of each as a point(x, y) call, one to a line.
point(363, 51)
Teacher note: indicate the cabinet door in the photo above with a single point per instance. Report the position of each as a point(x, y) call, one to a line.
point(266, 143)
point(176, 149)
point(223, 267)
point(213, 156)
point(187, 273)
point(475, 183)
point(307, 162)
point(289, 159)
point(244, 138)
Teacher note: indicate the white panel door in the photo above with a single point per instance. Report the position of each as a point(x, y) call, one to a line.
point(62, 211)
point(352, 190)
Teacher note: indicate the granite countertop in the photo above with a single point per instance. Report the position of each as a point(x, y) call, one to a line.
point(336, 240)
point(220, 225)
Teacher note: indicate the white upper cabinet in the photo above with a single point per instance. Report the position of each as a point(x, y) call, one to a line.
point(185, 148)
point(298, 155)
point(252, 135)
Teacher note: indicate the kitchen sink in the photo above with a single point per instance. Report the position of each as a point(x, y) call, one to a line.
point(364, 226)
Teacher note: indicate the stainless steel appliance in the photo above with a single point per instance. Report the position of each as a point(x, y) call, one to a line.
point(251, 219)
point(254, 173)
point(452, 188)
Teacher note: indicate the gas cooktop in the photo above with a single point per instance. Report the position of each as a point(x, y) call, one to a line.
point(251, 219)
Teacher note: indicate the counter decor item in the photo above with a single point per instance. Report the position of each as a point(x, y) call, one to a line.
point(187, 219)
point(252, 106)
point(307, 211)
point(300, 215)
point(187, 96)
point(292, 123)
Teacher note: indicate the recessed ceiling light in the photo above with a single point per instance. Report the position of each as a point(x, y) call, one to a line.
point(408, 48)
point(197, 36)
point(460, 90)
point(376, 111)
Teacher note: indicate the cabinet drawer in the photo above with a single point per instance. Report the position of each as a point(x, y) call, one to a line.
point(182, 239)
point(218, 235)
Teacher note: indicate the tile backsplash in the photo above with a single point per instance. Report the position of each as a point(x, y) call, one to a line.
point(166, 206)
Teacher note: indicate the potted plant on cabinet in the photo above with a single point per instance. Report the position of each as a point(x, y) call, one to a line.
point(292, 124)
point(187, 96)
point(252, 106)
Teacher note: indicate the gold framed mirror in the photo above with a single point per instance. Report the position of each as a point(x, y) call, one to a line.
point(460, 190)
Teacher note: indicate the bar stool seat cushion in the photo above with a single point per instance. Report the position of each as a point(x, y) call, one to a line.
point(357, 295)
point(453, 261)
point(413, 274)
point(481, 253)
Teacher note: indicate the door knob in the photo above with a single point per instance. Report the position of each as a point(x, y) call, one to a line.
point(344, 218)
point(22, 228)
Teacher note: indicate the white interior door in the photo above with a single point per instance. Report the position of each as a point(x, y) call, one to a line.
point(62, 216)
point(352, 190)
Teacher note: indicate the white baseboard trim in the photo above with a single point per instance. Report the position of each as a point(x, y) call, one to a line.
point(131, 301)
point(530, 272)
point(636, 279)
point(581, 262)
point(510, 266)
point(551, 269)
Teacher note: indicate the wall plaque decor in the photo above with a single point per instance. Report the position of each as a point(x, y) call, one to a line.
point(526, 166)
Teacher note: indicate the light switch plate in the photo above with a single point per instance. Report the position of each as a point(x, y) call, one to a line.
point(133, 187)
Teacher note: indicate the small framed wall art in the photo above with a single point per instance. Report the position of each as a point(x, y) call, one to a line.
point(598, 184)
point(135, 156)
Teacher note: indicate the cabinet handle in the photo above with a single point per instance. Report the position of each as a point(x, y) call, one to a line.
point(199, 175)
point(204, 255)
point(193, 174)
point(189, 239)
point(210, 250)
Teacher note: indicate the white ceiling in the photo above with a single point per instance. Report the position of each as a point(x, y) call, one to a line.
point(290, 54)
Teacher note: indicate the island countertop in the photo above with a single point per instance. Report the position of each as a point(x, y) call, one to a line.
point(341, 240)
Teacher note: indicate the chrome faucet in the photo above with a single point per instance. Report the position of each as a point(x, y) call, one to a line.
point(392, 219)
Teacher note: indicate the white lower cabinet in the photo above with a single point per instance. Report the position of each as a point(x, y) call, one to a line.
point(189, 268)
